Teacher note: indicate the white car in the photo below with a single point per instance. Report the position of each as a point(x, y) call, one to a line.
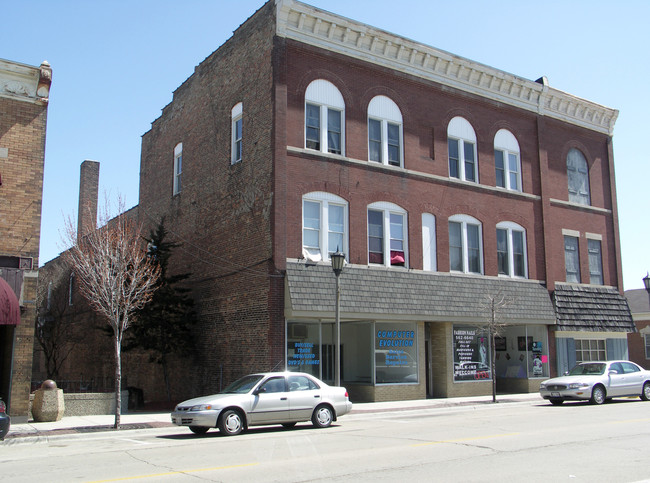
point(597, 382)
point(284, 398)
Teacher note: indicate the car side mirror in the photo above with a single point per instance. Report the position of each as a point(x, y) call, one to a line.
point(613, 371)
point(259, 390)
point(566, 373)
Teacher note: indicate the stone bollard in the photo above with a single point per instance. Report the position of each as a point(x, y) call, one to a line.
point(48, 402)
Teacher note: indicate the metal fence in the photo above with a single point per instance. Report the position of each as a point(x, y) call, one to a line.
point(94, 384)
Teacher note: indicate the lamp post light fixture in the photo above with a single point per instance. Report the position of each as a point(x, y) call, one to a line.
point(646, 283)
point(338, 260)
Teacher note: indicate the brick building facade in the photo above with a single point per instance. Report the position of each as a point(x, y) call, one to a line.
point(24, 92)
point(446, 183)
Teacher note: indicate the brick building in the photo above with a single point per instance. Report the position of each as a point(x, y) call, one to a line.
point(446, 183)
point(24, 92)
point(639, 342)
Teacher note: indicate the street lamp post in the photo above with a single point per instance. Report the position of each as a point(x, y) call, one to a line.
point(338, 259)
point(646, 283)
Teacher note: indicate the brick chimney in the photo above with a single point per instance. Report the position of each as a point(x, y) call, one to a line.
point(88, 197)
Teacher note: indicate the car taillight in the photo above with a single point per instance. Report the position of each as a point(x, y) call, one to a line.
point(3, 408)
point(346, 395)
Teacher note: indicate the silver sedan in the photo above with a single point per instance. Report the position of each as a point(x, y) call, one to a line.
point(598, 382)
point(284, 398)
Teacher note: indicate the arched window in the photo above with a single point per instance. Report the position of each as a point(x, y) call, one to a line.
point(387, 227)
point(511, 250)
point(461, 145)
point(465, 244)
point(324, 225)
point(324, 118)
point(385, 132)
point(578, 175)
point(236, 145)
point(507, 160)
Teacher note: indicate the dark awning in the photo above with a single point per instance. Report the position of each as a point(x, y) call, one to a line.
point(376, 293)
point(594, 309)
point(9, 306)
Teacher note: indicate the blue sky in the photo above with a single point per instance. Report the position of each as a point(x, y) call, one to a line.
point(116, 63)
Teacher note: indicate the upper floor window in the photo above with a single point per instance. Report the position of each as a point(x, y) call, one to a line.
point(324, 118)
point(595, 262)
point(571, 259)
point(236, 143)
point(429, 242)
point(465, 244)
point(178, 168)
point(578, 175)
point(324, 225)
point(384, 131)
point(511, 250)
point(506, 160)
point(386, 234)
point(461, 143)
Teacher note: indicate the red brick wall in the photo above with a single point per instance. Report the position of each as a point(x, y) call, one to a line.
point(427, 109)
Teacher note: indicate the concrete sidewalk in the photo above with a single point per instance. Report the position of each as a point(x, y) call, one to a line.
point(146, 420)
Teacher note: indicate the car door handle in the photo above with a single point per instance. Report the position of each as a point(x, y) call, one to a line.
point(283, 399)
point(317, 396)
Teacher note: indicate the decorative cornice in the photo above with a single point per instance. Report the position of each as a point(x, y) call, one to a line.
point(304, 23)
point(25, 82)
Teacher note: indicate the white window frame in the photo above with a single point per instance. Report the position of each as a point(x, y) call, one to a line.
point(429, 252)
point(462, 133)
point(510, 227)
point(327, 98)
point(591, 349)
point(578, 174)
point(324, 200)
point(383, 110)
point(236, 145)
point(464, 221)
point(646, 339)
point(506, 143)
point(178, 169)
point(387, 209)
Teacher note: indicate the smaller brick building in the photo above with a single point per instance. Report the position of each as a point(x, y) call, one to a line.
point(639, 342)
point(24, 92)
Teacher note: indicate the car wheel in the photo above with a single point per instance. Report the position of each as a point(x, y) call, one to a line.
point(322, 417)
point(231, 423)
point(598, 395)
point(199, 429)
point(556, 402)
point(645, 392)
point(288, 425)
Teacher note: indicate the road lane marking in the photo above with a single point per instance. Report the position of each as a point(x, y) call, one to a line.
point(171, 473)
point(460, 440)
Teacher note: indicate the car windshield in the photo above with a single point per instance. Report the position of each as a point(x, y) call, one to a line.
point(589, 369)
point(243, 385)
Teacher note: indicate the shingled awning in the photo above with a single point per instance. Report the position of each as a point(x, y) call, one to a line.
point(376, 293)
point(594, 309)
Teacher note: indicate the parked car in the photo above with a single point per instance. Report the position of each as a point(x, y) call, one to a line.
point(284, 398)
point(597, 382)
point(5, 420)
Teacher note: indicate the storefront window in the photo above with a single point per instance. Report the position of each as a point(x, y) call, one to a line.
point(471, 354)
point(303, 348)
point(522, 352)
point(396, 353)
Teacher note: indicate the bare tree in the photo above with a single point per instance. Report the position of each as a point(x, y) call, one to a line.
point(56, 329)
point(495, 305)
point(114, 274)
